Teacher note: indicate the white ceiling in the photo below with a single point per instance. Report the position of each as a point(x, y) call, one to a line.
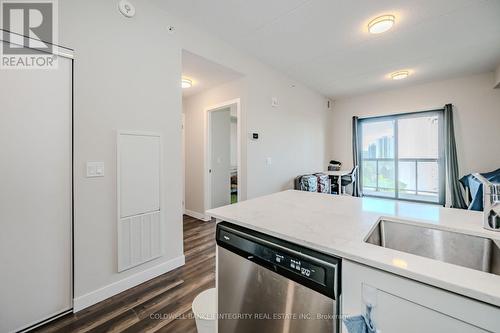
point(204, 73)
point(325, 43)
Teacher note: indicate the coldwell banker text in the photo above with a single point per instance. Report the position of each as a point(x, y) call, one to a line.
point(28, 34)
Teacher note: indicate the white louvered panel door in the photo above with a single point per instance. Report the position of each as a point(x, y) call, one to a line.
point(140, 239)
point(35, 195)
point(139, 192)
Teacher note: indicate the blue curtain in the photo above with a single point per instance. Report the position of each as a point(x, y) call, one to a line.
point(356, 188)
point(450, 146)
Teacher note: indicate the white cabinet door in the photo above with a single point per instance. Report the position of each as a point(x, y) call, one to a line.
point(403, 305)
point(396, 314)
point(35, 195)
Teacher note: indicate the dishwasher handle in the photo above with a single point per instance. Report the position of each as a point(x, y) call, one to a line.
point(305, 266)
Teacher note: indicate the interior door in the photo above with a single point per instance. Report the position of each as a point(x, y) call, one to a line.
point(220, 148)
point(35, 195)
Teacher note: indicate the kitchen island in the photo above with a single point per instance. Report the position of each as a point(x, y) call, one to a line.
point(339, 226)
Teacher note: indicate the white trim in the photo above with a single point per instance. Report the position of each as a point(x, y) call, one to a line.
point(96, 296)
point(197, 215)
point(206, 148)
point(56, 49)
point(50, 318)
point(183, 129)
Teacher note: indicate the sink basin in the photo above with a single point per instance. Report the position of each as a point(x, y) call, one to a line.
point(479, 253)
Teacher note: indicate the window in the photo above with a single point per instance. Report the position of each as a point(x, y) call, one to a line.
point(402, 156)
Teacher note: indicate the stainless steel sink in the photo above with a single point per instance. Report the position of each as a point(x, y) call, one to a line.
point(479, 253)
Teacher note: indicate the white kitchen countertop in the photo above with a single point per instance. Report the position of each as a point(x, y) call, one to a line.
point(338, 225)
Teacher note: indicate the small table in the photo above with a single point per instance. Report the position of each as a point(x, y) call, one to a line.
point(339, 175)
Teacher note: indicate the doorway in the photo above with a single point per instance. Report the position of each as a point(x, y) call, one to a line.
point(222, 155)
point(205, 86)
point(403, 157)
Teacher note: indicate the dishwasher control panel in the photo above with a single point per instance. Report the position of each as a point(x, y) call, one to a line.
point(298, 266)
point(283, 257)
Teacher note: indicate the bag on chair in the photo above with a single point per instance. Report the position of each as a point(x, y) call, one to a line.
point(323, 183)
point(308, 183)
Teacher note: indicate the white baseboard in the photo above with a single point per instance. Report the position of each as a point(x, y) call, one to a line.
point(197, 215)
point(94, 297)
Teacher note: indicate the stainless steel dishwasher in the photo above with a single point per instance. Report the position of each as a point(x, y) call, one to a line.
point(268, 285)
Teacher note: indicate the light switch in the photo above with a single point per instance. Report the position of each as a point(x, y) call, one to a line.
point(274, 102)
point(95, 169)
point(269, 161)
point(99, 171)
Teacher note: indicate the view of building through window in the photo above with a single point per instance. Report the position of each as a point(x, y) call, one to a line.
point(401, 157)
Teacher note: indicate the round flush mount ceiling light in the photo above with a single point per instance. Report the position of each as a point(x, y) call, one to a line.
point(381, 24)
point(400, 75)
point(186, 83)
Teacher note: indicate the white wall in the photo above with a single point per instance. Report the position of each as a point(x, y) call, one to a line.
point(497, 77)
point(193, 108)
point(476, 112)
point(293, 135)
point(127, 75)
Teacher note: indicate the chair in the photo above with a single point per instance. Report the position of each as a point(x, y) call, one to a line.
point(346, 180)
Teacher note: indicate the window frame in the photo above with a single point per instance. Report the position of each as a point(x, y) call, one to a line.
point(440, 159)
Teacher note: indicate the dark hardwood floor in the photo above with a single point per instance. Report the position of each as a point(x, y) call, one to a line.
point(159, 305)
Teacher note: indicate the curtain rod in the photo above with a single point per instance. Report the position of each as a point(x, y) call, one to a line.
point(405, 113)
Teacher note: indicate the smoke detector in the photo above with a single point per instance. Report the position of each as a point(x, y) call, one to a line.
point(126, 8)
